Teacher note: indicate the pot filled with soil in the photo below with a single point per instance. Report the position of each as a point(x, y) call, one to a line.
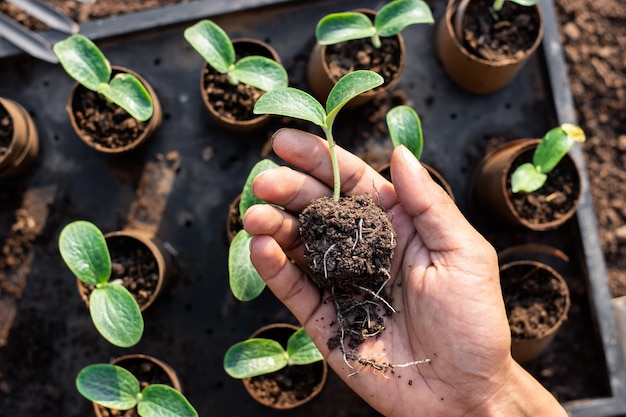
point(537, 301)
point(107, 127)
point(505, 182)
point(481, 48)
point(297, 382)
point(149, 371)
point(19, 142)
point(141, 262)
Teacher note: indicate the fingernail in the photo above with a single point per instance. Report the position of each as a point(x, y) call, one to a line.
point(410, 159)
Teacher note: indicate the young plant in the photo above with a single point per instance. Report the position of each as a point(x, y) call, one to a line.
point(245, 282)
point(405, 128)
point(85, 63)
point(114, 311)
point(493, 9)
point(497, 4)
point(553, 147)
point(214, 45)
point(292, 102)
point(260, 356)
point(390, 20)
point(114, 387)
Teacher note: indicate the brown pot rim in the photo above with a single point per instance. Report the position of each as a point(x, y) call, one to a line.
point(160, 254)
point(438, 177)
point(451, 8)
point(231, 218)
point(317, 389)
point(171, 373)
point(153, 123)
point(237, 126)
point(24, 145)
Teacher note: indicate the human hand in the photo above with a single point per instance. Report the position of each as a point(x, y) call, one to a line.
point(445, 288)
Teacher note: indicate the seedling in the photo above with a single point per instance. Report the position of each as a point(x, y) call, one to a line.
point(260, 356)
point(553, 147)
point(215, 46)
point(493, 9)
point(405, 128)
point(390, 20)
point(292, 102)
point(114, 311)
point(114, 387)
point(85, 63)
point(245, 282)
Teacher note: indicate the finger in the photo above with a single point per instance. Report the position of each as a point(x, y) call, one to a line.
point(310, 153)
point(436, 217)
point(292, 287)
point(263, 219)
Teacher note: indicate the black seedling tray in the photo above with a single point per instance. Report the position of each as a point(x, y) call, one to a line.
point(194, 170)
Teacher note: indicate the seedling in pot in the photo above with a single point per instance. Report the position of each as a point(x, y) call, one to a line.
point(494, 9)
point(116, 388)
point(553, 147)
point(348, 241)
point(215, 46)
point(260, 356)
point(390, 20)
point(245, 282)
point(85, 63)
point(114, 311)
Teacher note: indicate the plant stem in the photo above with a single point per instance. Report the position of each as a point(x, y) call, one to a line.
point(333, 160)
point(376, 41)
point(497, 5)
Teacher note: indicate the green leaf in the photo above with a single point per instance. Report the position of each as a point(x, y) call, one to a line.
point(129, 93)
point(291, 102)
point(212, 43)
point(405, 128)
point(260, 72)
point(83, 61)
point(552, 148)
point(116, 315)
point(398, 14)
point(254, 357)
point(159, 400)
point(108, 385)
point(248, 198)
point(348, 87)
point(85, 252)
point(526, 178)
point(301, 350)
point(245, 282)
point(342, 27)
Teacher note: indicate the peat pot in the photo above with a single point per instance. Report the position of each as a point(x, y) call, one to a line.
point(148, 370)
point(231, 107)
point(143, 264)
point(105, 126)
point(485, 73)
point(322, 77)
point(19, 142)
point(545, 209)
point(292, 386)
point(537, 301)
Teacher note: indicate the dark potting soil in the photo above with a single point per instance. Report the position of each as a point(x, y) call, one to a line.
point(233, 102)
point(349, 245)
point(510, 36)
point(103, 122)
point(134, 264)
point(147, 373)
point(360, 54)
point(6, 130)
point(534, 298)
point(552, 201)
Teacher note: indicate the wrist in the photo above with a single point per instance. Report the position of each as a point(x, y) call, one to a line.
point(520, 396)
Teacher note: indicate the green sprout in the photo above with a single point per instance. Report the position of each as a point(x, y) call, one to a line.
point(390, 20)
point(114, 387)
point(497, 4)
point(215, 46)
point(245, 282)
point(553, 147)
point(405, 128)
point(292, 102)
point(260, 356)
point(114, 311)
point(85, 63)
